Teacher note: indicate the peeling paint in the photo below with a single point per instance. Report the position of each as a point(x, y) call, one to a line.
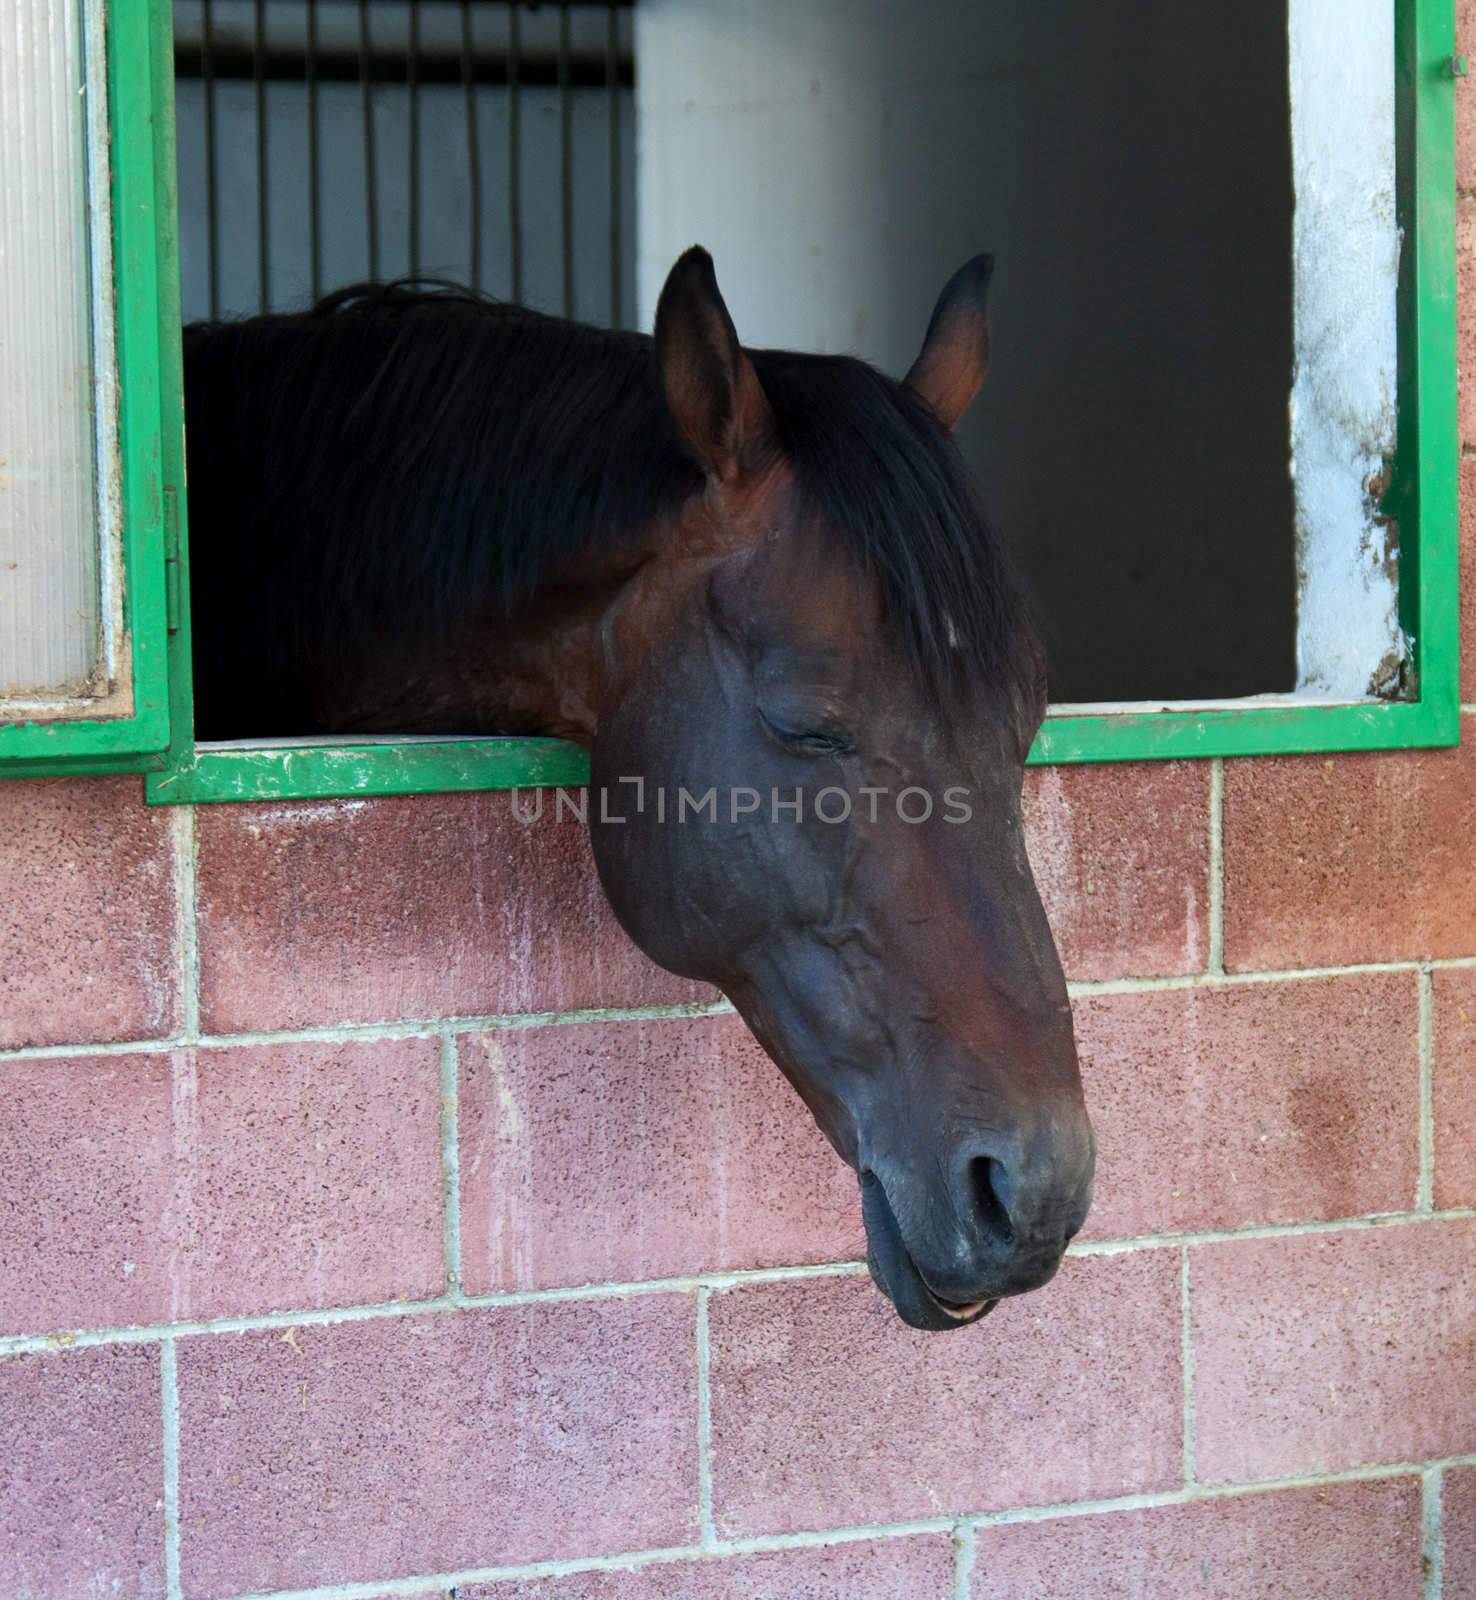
point(1343, 407)
point(303, 812)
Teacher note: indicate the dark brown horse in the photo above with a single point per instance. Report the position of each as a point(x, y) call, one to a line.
point(759, 583)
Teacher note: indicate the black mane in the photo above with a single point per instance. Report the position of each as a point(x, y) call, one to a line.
point(400, 458)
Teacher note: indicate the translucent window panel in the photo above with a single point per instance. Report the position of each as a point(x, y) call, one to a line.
point(60, 650)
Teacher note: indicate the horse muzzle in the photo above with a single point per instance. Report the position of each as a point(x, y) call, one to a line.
point(950, 1259)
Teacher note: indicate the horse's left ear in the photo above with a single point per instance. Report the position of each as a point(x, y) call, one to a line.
point(954, 359)
point(713, 393)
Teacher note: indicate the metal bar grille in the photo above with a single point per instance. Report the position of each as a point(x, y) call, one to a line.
point(566, 162)
point(371, 166)
point(612, 137)
point(324, 142)
point(315, 171)
point(212, 169)
point(412, 81)
point(515, 148)
point(473, 143)
point(263, 183)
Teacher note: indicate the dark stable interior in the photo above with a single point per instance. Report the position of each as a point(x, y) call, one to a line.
point(1133, 435)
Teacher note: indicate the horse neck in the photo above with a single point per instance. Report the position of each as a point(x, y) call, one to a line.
point(544, 671)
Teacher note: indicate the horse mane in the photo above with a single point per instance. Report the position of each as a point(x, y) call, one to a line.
point(406, 456)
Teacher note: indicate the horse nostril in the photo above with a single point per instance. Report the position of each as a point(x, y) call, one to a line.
point(986, 1180)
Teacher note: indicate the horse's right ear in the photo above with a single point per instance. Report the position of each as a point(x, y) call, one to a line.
point(952, 364)
point(711, 389)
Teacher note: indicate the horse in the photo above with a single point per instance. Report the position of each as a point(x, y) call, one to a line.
point(419, 510)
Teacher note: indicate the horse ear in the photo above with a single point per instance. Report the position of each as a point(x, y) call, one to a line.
point(713, 393)
point(954, 359)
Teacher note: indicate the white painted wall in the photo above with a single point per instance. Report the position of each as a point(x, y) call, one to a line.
point(1343, 403)
point(793, 140)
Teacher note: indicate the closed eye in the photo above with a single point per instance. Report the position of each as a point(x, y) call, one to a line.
point(807, 741)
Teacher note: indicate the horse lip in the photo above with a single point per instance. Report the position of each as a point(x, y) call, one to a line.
point(896, 1274)
point(963, 1313)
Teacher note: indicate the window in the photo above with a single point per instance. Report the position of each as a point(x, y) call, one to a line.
point(90, 414)
point(1374, 538)
point(490, 143)
point(1366, 678)
point(1217, 427)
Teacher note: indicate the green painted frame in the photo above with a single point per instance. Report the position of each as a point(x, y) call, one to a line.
point(140, 80)
point(1422, 496)
point(1422, 493)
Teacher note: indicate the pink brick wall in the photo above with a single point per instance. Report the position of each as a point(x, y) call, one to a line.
point(332, 1253)
point(335, 1252)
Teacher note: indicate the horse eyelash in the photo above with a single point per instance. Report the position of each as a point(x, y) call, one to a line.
point(816, 744)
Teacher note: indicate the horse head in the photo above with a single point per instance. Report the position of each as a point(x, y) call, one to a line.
point(822, 688)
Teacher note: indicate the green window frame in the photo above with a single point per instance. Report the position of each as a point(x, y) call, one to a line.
point(1423, 483)
point(159, 740)
point(141, 192)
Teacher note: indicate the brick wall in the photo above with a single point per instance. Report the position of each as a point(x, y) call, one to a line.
point(375, 1220)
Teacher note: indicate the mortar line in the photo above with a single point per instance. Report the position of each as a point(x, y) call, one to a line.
point(1425, 1182)
point(708, 1521)
point(1195, 1493)
point(1216, 963)
point(1265, 1230)
point(450, 1166)
point(401, 1028)
point(187, 924)
point(965, 1549)
point(1432, 1541)
point(820, 1538)
point(1082, 987)
point(169, 1396)
point(624, 1562)
point(511, 1022)
point(1186, 1366)
point(419, 1027)
point(717, 1282)
point(331, 1316)
point(68, 1052)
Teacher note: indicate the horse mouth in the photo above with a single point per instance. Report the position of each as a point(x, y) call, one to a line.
point(895, 1273)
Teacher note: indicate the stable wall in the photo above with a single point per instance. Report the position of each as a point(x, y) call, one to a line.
point(373, 1219)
